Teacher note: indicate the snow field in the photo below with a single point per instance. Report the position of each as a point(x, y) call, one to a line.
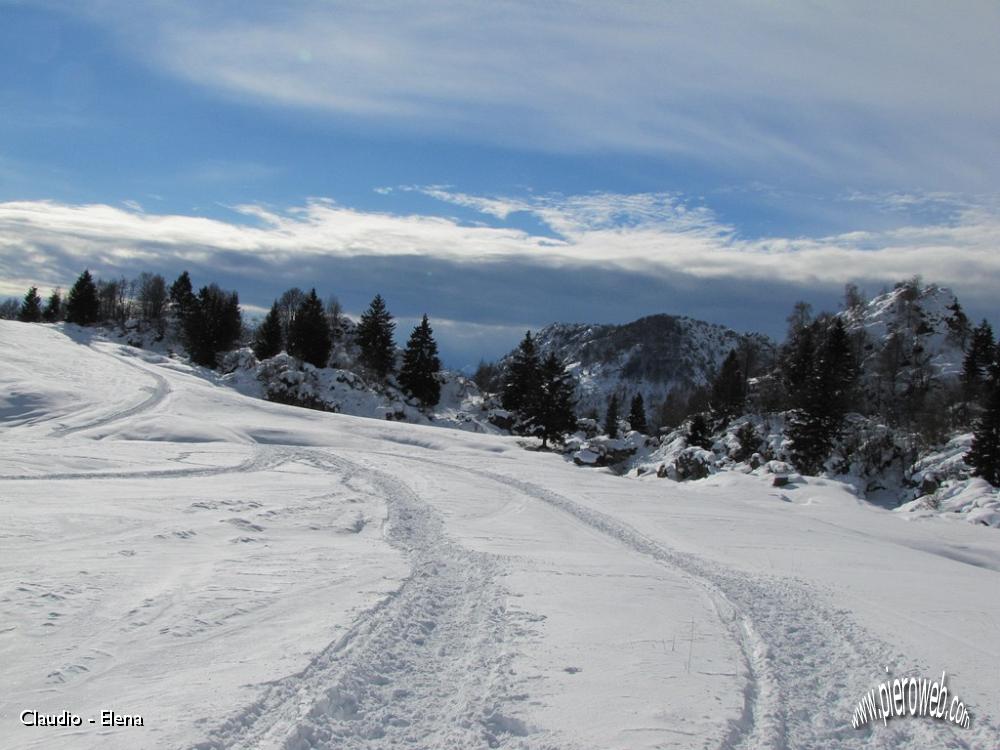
point(249, 575)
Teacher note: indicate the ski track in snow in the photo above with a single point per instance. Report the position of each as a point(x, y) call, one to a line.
point(426, 668)
point(160, 389)
point(807, 664)
point(429, 666)
point(264, 457)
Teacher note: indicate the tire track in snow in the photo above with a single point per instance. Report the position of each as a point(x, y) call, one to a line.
point(807, 663)
point(427, 667)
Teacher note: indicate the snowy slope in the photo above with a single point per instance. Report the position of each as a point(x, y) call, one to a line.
point(245, 574)
point(919, 320)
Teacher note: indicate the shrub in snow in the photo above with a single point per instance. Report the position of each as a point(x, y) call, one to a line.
point(693, 463)
point(747, 442)
point(501, 418)
point(587, 426)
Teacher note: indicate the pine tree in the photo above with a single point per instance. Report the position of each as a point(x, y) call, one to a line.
point(748, 442)
point(522, 379)
point(267, 338)
point(799, 365)
point(53, 311)
point(611, 416)
point(975, 366)
point(418, 375)
point(31, 307)
point(212, 324)
point(838, 372)
point(309, 333)
point(728, 394)
point(182, 297)
point(552, 412)
point(698, 433)
point(637, 415)
point(374, 335)
point(823, 378)
point(984, 457)
point(82, 305)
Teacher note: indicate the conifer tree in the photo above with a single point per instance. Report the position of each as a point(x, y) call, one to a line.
point(611, 416)
point(838, 372)
point(975, 366)
point(698, 433)
point(182, 296)
point(728, 394)
point(984, 457)
point(82, 305)
point(212, 324)
point(31, 307)
point(748, 441)
point(309, 333)
point(552, 413)
point(418, 375)
point(522, 378)
point(374, 336)
point(799, 365)
point(53, 311)
point(267, 338)
point(637, 415)
point(821, 378)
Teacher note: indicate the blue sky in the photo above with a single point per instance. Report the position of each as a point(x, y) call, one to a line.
point(504, 165)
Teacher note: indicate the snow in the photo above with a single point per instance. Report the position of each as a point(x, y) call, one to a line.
point(245, 574)
point(651, 356)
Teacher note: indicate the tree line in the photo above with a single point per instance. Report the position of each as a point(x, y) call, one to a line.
point(209, 322)
point(816, 376)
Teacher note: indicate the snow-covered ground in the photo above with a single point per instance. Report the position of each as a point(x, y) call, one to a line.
point(244, 574)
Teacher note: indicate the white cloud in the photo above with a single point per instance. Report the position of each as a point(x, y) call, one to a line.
point(655, 235)
point(857, 91)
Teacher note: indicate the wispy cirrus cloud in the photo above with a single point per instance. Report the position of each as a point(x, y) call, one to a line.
point(852, 92)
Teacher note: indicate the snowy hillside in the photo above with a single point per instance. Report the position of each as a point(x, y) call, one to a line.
point(339, 388)
point(652, 356)
point(910, 327)
point(244, 574)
